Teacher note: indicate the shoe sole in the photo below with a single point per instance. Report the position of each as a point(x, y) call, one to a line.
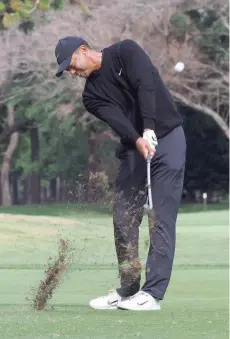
point(128, 309)
point(104, 308)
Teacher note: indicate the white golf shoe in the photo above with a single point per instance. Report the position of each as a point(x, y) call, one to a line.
point(108, 302)
point(140, 301)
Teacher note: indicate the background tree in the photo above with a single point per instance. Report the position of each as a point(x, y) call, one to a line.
point(21, 12)
point(48, 113)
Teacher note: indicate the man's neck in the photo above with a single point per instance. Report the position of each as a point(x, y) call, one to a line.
point(97, 60)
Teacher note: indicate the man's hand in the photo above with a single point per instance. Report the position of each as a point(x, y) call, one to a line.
point(144, 148)
point(150, 136)
point(147, 144)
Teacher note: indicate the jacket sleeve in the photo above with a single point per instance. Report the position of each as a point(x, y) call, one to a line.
point(115, 118)
point(140, 73)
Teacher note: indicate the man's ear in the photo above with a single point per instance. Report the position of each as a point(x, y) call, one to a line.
point(83, 49)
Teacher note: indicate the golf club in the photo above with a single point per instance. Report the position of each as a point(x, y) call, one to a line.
point(149, 203)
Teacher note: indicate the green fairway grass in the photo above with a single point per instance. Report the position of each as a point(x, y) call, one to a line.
point(195, 305)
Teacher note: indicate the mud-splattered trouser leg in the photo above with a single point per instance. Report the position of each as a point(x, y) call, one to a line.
point(167, 175)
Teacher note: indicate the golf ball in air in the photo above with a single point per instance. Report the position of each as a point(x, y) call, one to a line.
point(179, 67)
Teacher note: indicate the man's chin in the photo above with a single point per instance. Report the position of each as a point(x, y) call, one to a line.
point(84, 76)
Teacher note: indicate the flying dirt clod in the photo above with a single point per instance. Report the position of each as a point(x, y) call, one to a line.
point(53, 275)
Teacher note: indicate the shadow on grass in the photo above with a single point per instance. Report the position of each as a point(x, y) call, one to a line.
point(72, 210)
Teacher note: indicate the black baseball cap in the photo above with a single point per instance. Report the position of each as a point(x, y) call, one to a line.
point(64, 51)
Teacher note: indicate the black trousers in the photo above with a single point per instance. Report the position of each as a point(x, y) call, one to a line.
point(167, 176)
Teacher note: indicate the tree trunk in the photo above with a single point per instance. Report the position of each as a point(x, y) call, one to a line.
point(44, 195)
point(35, 175)
point(53, 189)
point(58, 180)
point(92, 148)
point(60, 187)
point(205, 110)
point(26, 185)
point(7, 158)
point(0, 192)
point(14, 178)
point(92, 161)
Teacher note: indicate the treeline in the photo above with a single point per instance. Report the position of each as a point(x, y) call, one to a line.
point(51, 149)
point(65, 163)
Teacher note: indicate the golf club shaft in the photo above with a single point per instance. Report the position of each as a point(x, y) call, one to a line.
point(150, 200)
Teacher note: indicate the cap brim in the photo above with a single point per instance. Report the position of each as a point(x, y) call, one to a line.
point(63, 66)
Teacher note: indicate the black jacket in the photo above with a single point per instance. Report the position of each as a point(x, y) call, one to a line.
point(128, 93)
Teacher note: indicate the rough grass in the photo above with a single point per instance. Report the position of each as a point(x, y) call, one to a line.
point(195, 306)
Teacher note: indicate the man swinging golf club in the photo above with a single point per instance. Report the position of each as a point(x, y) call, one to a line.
point(124, 89)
